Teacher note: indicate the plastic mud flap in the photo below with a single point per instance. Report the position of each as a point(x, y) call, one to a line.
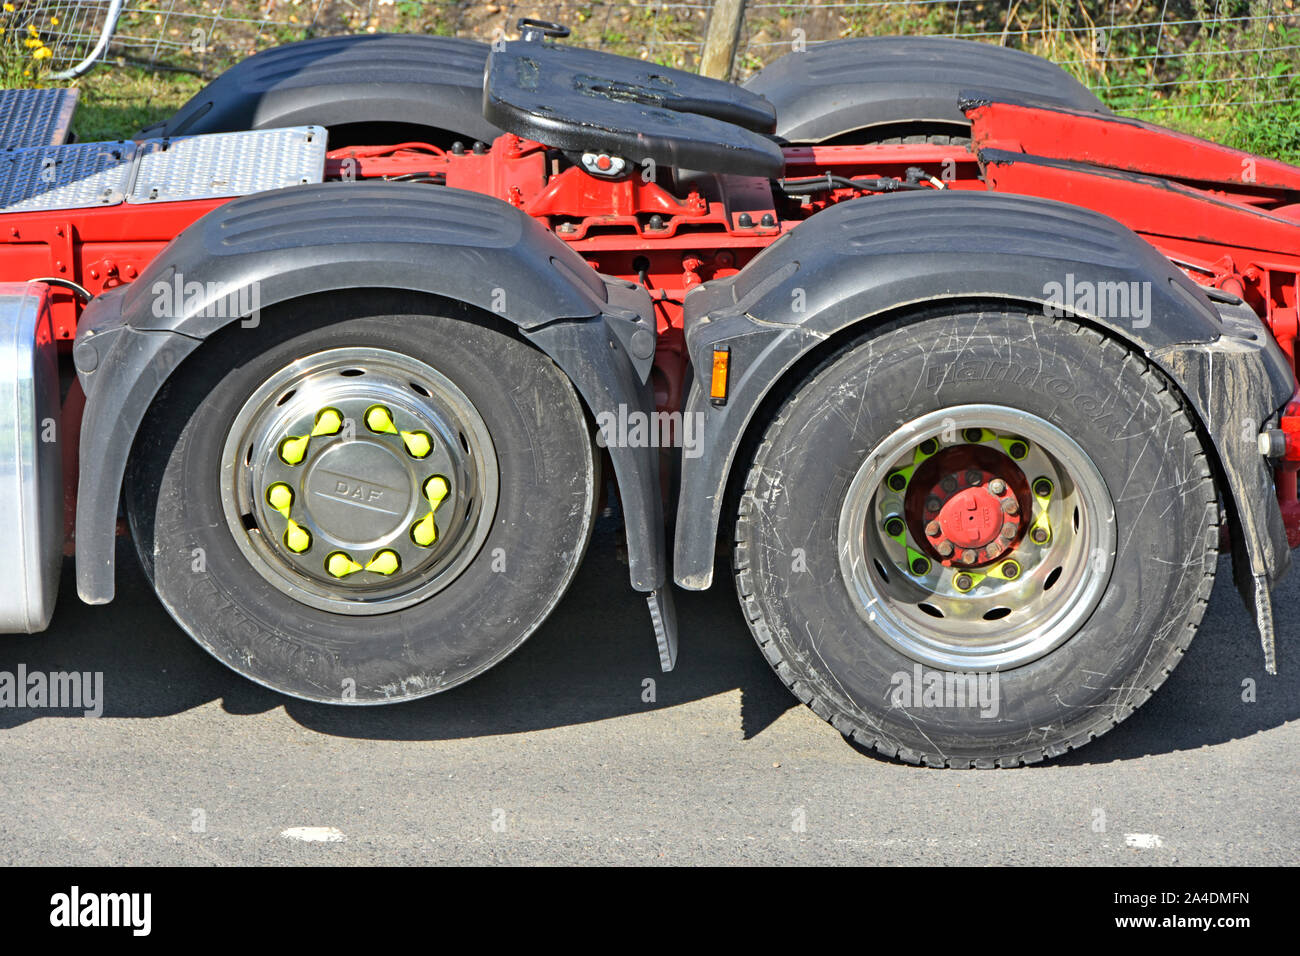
point(275, 247)
point(868, 260)
point(31, 473)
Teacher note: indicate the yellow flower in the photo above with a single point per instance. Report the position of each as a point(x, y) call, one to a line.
point(44, 53)
point(9, 8)
point(30, 42)
point(32, 30)
point(54, 21)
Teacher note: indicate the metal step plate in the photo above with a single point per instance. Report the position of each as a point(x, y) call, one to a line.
point(65, 177)
point(35, 117)
point(228, 164)
point(215, 166)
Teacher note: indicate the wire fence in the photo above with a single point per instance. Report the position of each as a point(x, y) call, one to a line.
point(1139, 55)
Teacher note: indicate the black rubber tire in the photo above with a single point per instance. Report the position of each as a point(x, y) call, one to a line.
point(1137, 432)
point(543, 521)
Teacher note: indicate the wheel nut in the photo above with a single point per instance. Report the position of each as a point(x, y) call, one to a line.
point(1009, 530)
point(894, 526)
point(945, 549)
point(1011, 570)
point(997, 486)
point(969, 556)
point(993, 549)
point(897, 481)
point(963, 582)
point(929, 446)
point(933, 503)
point(1042, 487)
point(1011, 507)
point(933, 529)
point(1039, 535)
point(972, 434)
point(920, 566)
point(949, 484)
point(1018, 450)
point(973, 477)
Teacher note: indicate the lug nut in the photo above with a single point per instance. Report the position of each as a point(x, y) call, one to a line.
point(945, 549)
point(1039, 535)
point(1011, 570)
point(929, 446)
point(894, 526)
point(933, 529)
point(949, 484)
point(997, 486)
point(973, 477)
point(897, 481)
point(993, 549)
point(1018, 450)
point(933, 503)
point(969, 556)
point(1009, 530)
point(973, 435)
point(1042, 487)
point(1010, 506)
point(920, 565)
point(963, 582)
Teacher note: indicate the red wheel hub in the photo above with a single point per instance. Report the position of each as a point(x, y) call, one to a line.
point(967, 503)
point(972, 518)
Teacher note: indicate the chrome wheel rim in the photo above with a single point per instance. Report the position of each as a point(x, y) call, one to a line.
point(359, 480)
point(954, 557)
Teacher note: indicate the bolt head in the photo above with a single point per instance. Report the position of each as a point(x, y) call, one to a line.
point(973, 477)
point(1042, 487)
point(969, 556)
point(949, 484)
point(1011, 507)
point(993, 549)
point(962, 581)
point(933, 529)
point(933, 503)
point(1009, 530)
point(945, 549)
point(997, 486)
point(1039, 535)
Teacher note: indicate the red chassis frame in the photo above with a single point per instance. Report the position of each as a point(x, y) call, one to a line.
point(1221, 215)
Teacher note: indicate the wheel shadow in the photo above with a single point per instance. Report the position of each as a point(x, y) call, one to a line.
point(591, 662)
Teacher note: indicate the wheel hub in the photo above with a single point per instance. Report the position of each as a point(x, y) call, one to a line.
point(359, 480)
point(978, 547)
point(358, 492)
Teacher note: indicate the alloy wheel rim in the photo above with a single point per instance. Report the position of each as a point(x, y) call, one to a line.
point(359, 480)
point(977, 538)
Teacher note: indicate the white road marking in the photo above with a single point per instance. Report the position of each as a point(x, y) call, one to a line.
point(1143, 841)
point(314, 834)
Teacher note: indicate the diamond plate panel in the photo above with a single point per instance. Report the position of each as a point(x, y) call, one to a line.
point(65, 177)
point(35, 117)
point(228, 164)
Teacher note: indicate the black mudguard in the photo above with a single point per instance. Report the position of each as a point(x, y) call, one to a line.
point(851, 85)
point(278, 246)
point(436, 82)
point(861, 261)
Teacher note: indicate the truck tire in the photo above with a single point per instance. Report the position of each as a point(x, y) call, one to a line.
point(880, 89)
point(977, 539)
point(363, 502)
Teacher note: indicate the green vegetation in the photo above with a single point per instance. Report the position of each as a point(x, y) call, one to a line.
point(1226, 70)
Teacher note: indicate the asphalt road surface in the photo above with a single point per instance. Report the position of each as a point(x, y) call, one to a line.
point(555, 757)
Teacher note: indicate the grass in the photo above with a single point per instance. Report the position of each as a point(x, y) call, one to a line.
point(116, 102)
point(1243, 99)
